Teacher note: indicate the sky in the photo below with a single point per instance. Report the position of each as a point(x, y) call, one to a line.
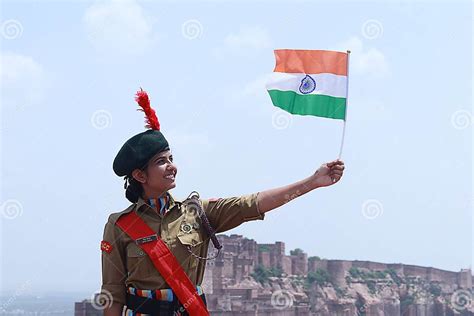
point(69, 72)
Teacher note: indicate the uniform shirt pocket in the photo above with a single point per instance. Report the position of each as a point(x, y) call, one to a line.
point(189, 242)
point(138, 263)
point(133, 251)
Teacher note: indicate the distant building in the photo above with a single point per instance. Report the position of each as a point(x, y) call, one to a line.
point(86, 308)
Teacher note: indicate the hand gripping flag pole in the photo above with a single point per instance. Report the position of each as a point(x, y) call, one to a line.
point(347, 102)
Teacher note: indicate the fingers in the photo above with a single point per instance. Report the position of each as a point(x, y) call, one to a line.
point(336, 172)
point(330, 164)
point(337, 169)
point(336, 162)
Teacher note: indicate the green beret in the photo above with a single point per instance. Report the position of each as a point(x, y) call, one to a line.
point(138, 150)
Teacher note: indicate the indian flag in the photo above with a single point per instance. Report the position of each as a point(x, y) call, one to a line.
point(310, 82)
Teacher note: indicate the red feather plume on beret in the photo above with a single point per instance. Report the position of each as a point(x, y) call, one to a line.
point(150, 116)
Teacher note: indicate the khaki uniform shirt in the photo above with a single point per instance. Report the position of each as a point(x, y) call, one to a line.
point(125, 264)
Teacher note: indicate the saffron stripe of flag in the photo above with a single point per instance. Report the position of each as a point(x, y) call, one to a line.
point(311, 61)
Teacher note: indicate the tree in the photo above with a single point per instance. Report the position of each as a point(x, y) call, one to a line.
point(296, 252)
point(260, 274)
point(319, 276)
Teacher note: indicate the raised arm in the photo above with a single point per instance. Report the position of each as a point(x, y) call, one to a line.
point(328, 174)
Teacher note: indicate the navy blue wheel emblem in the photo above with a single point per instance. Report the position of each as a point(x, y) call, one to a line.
point(307, 85)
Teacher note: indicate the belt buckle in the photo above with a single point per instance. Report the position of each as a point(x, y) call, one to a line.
point(143, 240)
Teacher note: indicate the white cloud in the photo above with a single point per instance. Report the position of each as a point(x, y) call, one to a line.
point(118, 27)
point(247, 42)
point(365, 60)
point(23, 80)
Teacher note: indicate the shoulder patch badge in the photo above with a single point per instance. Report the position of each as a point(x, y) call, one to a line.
point(105, 246)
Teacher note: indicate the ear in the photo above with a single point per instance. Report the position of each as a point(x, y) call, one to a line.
point(139, 175)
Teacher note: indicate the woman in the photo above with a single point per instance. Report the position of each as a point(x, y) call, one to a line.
point(157, 268)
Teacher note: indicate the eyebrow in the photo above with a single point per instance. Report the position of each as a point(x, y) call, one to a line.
point(159, 157)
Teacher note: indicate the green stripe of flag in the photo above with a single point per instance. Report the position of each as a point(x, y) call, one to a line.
point(309, 104)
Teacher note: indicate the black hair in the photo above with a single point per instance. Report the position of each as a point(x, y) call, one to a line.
point(134, 189)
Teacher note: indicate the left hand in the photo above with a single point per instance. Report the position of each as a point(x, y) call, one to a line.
point(328, 174)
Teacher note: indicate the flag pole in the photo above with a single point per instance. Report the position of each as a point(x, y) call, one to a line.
point(347, 102)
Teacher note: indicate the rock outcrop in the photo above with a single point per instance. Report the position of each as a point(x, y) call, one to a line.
point(260, 279)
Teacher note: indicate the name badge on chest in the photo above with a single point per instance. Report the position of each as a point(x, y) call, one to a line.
point(146, 239)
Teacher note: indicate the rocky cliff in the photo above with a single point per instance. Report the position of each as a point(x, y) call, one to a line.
point(260, 279)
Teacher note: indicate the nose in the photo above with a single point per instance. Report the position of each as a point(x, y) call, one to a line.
point(171, 166)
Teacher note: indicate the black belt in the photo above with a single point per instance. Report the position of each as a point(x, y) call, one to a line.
point(152, 306)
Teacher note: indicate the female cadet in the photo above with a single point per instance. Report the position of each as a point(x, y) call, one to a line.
point(151, 251)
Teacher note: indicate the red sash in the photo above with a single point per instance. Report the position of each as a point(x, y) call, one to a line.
point(165, 262)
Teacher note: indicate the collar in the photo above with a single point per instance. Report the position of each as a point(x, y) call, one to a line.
point(144, 204)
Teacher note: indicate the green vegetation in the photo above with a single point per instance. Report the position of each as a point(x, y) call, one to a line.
point(261, 273)
point(371, 286)
point(340, 292)
point(263, 248)
point(365, 275)
point(348, 279)
point(405, 302)
point(298, 280)
point(276, 271)
point(313, 258)
point(361, 307)
point(393, 274)
point(320, 276)
point(370, 277)
point(435, 289)
point(355, 273)
point(380, 274)
point(296, 252)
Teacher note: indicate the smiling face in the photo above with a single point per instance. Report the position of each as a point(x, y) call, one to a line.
point(159, 175)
